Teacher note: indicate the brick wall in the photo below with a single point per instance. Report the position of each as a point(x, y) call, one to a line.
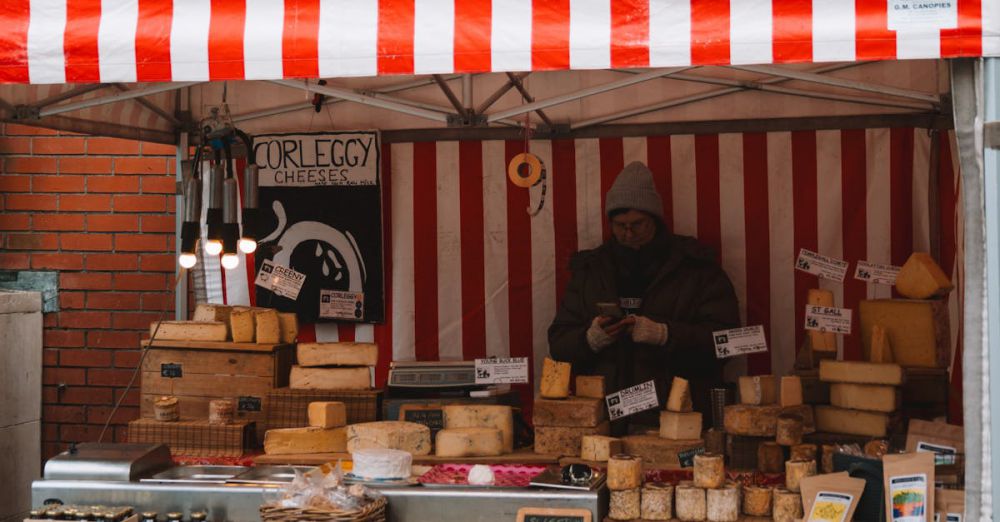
point(100, 211)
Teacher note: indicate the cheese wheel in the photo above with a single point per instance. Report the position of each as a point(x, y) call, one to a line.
point(796, 470)
point(468, 442)
point(220, 411)
point(788, 431)
point(723, 504)
point(599, 448)
point(787, 506)
point(757, 501)
point(657, 501)
point(625, 504)
point(709, 470)
point(624, 472)
point(770, 457)
point(690, 503)
point(165, 409)
point(827, 459)
point(803, 452)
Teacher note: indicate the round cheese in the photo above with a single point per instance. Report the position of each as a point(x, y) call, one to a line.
point(770, 457)
point(757, 501)
point(657, 501)
point(469, 442)
point(690, 503)
point(381, 464)
point(803, 452)
point(787, 506)
point(709, 470)
point(624, 472)
point(796, 470)
point(723, 504)
point(789, 430)
point(625, 504)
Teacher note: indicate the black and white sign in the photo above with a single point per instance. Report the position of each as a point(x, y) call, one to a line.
point(686, 458)
point(822, 266)
point(739, 341)
point(321, 200)
point(922, 15)
point(279, 279)
point(341, 305)
point(507, 370)
point(828, 319)
point(876, 273)
point(632, 400)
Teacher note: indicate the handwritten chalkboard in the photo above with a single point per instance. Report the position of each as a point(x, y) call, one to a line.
point(530, 514)
point(687, 457)
point(248, 403)
point(171, 370)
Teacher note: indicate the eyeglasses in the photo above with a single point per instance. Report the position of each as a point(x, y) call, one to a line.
point(634, 226)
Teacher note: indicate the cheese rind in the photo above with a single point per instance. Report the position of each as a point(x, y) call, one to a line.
point(555, 379)
point(468, 442)
point(921, 278)
point(796, 470)
point(758, 390)
point(860, 372)
point(709, 470)
point(482, 416)
point(657, 501)
point(749, 420)
point(572, 411)
point(291, 441)
point(657, 452)
point(918, 331)
point(337, 354)
point(787, 505)
point(624, 472)
point(599, 448)
point(268, 329)
point(329, 378)
point(852, 422)
point(327, 414)
point(770, 457)
point(679, 399)
point(625, 504)
point(564, 441)
point(689, 503)
point(821, 341)
point(788, 430)
point(723, 503)
point(591, 386)
point(188, 331)
point(399, 435)
point(757, 501)
point(241, 325)
point(881, 348)
point(288, 324)
point(680, 426)
point(791, 391)
point(868, 397)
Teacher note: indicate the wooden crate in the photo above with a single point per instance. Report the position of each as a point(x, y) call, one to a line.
point(243, 372)
point(194, 437)
point(288, 408)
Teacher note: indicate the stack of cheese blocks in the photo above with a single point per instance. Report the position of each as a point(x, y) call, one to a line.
point(631, 499)
point(863, 397)
point(562, 421)
point(326, 433)
point(763, 406)
point(475, 430)
point(239, 324)
point(679, 421)
point(334, 366)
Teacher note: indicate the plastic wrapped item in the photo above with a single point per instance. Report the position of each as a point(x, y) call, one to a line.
point(324, 488)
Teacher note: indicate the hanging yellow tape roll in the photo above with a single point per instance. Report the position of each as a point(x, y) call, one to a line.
point(534, 170)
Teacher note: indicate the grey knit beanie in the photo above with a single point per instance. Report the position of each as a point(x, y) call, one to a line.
point(634, 188)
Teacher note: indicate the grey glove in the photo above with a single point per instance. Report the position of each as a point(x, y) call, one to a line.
point(597, 338)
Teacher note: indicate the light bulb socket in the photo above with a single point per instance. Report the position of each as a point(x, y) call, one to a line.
point(190, 230)
point(230, 205)
point(230, 238)
point(251, 223)
point(214, 222)
point(251, 187)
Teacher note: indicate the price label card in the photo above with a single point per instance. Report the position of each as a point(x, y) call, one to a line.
point(335, 304)
point(876, 273)
point(822, 266)
point(281, 280)
point(248, 403)
point(632, 400)
point(828, 319)
point(686, 458)
point(506, 370)
point(739, 341)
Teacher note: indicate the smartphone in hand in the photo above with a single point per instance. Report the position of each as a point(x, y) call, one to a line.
point(611, 310)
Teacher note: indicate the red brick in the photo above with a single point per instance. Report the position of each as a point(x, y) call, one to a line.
point(113, 300)
point(51, 449)
point(141, 166)
point(112, 223)
point(63, 338)
point(15, 145)
point(50, 321)
point(81, 433)
point(69, 376)
point(86, 320)
point(113, 339)
point(156, 282)
point(99, 415)
point(31, 165)
point(63, 414)
point(32, 241)
point(112, 262)
point(133, 321)
point(127, 359)
point(84, 203)
point(141, 243)
point(85, 165)
point(115, 146)
point(50, 432)
point(15, 261)
point(58, 184)
point(158, 263)
point(72, 300)
point(121, 434)
point(158, 149)
point(159, 224)
point(31, 202)
point(15, 129)
point(86, 395)
point(57, 261)
point(116, 184)
point(108, 377)
point(132, 399)
point(61, 145)
point(85, 358)
point(162, 301)
point(140, 203)
point(15, 222)
point(159, 185)
point(50, 357)
point(13, 183)
point(84, 281)
point(86, 242)
point(57, 222)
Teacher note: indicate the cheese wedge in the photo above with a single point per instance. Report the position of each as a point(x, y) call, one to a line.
point(881, 349)
point(555, 379)
point(268, 330)
point(242, 325)
point(758, 390)
point(337, 354)
point(679, 399)
point(288, 324)
point(327, 414)
point(922, 278)
point(821, 341)
point(918, 331)
point(291, 441)
point(188, 331)
point(358, 378)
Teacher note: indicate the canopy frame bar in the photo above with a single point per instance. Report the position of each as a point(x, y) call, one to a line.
point(152, 107)
point(838, 82)
point(519, 85)
point(66, 95)
point(153, 88)
point(365, 99)
point(493, 98)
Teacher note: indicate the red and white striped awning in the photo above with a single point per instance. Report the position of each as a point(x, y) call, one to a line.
point(81, 41)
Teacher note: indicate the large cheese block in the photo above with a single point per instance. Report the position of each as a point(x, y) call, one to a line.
point(821, 341)
point(337, 354)
point(573, 411)
point(758, 389)
point(624, 472)
point(482, 416)
point(852, 422)
point(918, 331)
point(268, 329)
point(241, 325)
point(791, 391)
point(657, 452)
point(599, 448)
point(564, 441)
point(869, 397)
point(327, 414)
point(291, 441)
point(590, 386)
point(555, 379)
point(624, 504)
point(188, 331)
point(288, 323)
point(921, 278)
point(881, 348)
point(329, 378)
point(680, 426)
point(212, 313)
point(679, 399)
point(468, 442)
point(860, 372)
point(762, 421)
point(398, 435)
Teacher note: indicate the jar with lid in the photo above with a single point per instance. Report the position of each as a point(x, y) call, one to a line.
point(174, 516)
point(54, 514)
point(148, 516)
point(36, 514)
point(83, 515)
point(199, 516)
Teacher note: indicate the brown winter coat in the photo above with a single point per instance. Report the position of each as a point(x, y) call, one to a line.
point(689, 293)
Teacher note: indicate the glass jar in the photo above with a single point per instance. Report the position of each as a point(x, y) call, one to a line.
point(148, 516)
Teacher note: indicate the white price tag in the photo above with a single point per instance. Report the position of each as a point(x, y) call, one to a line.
point(279, 279)
point(335, 304)
point(508, 370)
point(739, 341)
point(922, 15)
point(876, 273)
point(822, 266)
point(828, 319)
point(632, 400)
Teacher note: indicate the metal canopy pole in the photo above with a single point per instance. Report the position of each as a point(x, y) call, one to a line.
point(527, 96)
point(152, 107)
point(154, 88)
point(364, 99)
point(839, 82)
point(499, 93)
point(72, 93)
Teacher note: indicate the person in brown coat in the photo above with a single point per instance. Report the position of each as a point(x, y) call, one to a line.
point(673, 294)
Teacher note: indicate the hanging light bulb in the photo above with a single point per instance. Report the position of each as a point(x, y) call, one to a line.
point(251, 198)
point(187, 260)
point(214, 218)
point(230, 261)
point(230, 228)
point(190, 228)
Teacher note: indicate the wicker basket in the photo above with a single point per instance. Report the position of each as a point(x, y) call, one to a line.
point(371, 512)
